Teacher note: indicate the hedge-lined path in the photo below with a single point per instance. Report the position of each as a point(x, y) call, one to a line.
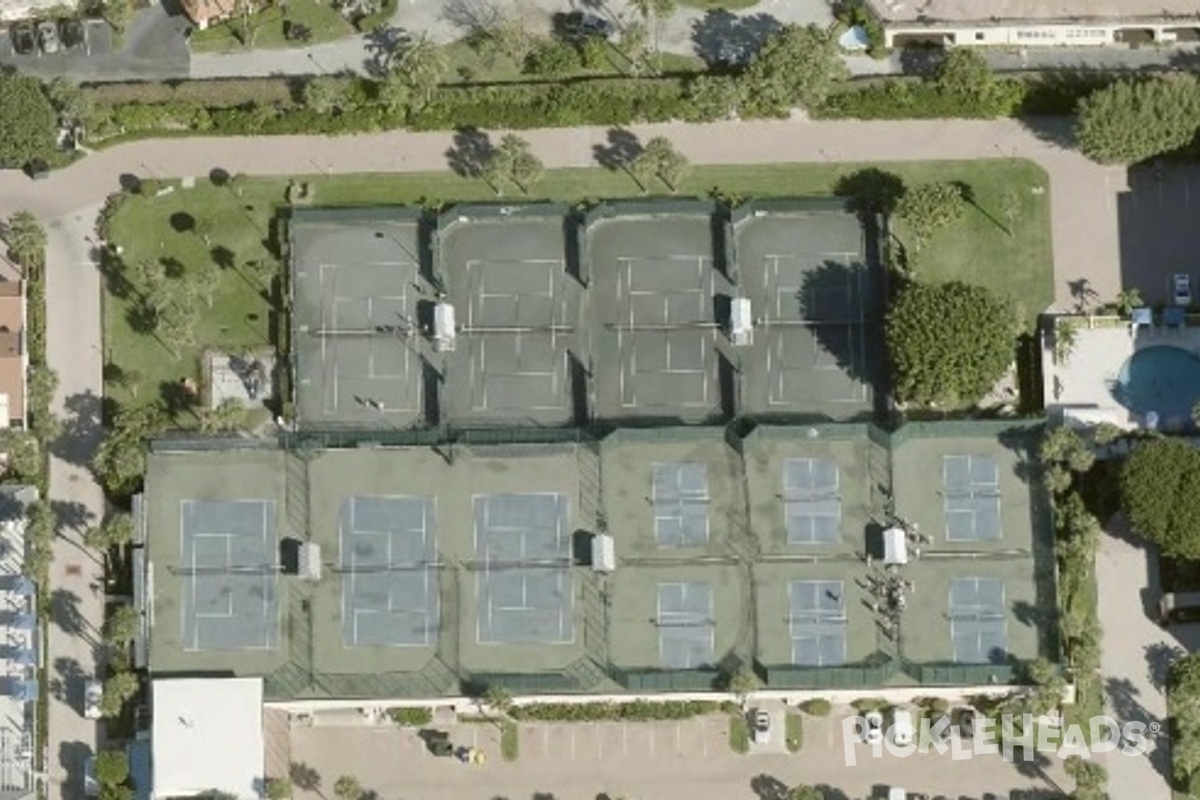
point(1083, 211)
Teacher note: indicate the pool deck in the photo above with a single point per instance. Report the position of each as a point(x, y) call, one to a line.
point(1081, 388)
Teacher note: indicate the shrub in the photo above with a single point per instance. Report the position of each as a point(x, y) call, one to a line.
point(552, 57)
point(634, 711)
point(817, 707)
point(411, 717)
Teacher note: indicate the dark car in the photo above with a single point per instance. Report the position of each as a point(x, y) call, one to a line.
point(70, 33)
point(24, 41)
point(578, 23)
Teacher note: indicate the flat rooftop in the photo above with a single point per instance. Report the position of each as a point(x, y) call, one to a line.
point(992, 12)
point(472, 562)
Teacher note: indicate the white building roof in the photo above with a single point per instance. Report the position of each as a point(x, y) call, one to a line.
point(984, 11)
point(207, 736)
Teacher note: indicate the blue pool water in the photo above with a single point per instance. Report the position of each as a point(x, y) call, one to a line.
point(1162, 379)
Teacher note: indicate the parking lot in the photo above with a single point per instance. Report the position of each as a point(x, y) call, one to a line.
point(687, 759)
point(1158, 234)
point(153, 46)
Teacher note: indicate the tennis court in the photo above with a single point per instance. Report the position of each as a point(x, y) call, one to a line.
point(971, 497)
point(813, 295)
point(679, 492)
point(686, 625)
point(357, 286)
point(525, 583)
point(389, 575)
point(817, 620)
point(229, 565)
point(978, 620)
point(518, 311)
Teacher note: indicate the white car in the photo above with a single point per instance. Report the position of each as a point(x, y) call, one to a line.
point(760, 726)
point(93, 692)
point(90, 787)
point(47, 33)
point(874, 731)
point(902, 727)
point(1181, 289)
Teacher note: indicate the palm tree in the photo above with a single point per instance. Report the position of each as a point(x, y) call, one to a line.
point(422, 63)
point(652, 13)
point(305, 777)
point(228, 415)
point(26, 239)
point(347, 787)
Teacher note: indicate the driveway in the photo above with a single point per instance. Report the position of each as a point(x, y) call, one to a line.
point(1156, 220)
point(685, 759)
point(153, 48)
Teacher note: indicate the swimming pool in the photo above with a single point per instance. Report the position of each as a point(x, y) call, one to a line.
point(1162, 379)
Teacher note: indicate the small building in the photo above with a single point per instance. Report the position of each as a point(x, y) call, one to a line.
point(207, 738)
point(14, 357)
point(205, 12)
point(1034, 23)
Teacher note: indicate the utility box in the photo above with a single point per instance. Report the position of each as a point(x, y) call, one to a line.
point(445, 333)
point(741, 323)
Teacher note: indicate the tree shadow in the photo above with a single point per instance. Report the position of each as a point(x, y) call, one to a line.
point(1082, 293)
point(768, 787)
point(1057, 131)
point(223, 257)
point(470, 152)
point(471, 16)
point(141, 318)
point(71, 757)
point(1158, 662)
point(82, 429)
point(72, 515)
point(619, 149)
point(67, 682)
point(218, 177)
point(922, 62)
point(725, 39)
point(844, 324)
point(66, 614)
point(173, 268)
point(870, 192)
point(381, 44)
point(115, 272)
point(182, 222)
point(177, 399)
point(1035, 767)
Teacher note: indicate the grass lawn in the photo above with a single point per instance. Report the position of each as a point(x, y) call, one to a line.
point(321, 18)
point(793, 731)
point(739, 733)
point(510, 741)
point(975, 249)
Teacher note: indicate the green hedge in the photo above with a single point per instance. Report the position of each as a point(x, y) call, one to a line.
point(635, 711)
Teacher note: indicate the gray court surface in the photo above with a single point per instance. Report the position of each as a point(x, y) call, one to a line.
point(517, 312)
point(971, 494)
point(229, 562)
point(814, 299)
point(812, 506)
point(357, 286)
point(817, 616)
point(654, 296)
point(679, 491)
point(526, 586)
point(686, 625)
point(389, 578)
point(978, 621)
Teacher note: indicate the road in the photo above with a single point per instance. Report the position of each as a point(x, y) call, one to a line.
point(1083, 210)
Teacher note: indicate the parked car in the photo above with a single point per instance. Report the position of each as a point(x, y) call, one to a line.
point(578, 23)
point(902, 727)
point(93, 692)
point(70, 32)
point(760, 726)
point(47, 33)
point(91, 788)
point(874, 729)
point(24, 41)
point(1181, 289)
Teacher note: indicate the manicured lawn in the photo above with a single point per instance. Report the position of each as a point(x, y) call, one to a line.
point(325, 22)
point(976, 249)
point(739, 733)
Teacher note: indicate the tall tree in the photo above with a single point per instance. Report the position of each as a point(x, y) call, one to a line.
point(965, 74)
point(324, 94)
point(670, 165)
point(422, 63)
point(522, 167)
point(395, 93)
point(1134, 120)
point(949, 342)
point(119, 687)
point(929, 207)
point(1160, 482)
point(122, 626)
point(115, 531)
point(22, 454)
point(347, 787)
point(68, 99)
point(228, 415)
point(27, 120)
point(111, 767)
point(798, 65)
point(26, 239)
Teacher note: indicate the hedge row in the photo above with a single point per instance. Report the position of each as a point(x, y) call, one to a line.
point(269, 106)
point(635, 711)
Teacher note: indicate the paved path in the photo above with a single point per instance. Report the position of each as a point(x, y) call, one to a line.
point(77, 575)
